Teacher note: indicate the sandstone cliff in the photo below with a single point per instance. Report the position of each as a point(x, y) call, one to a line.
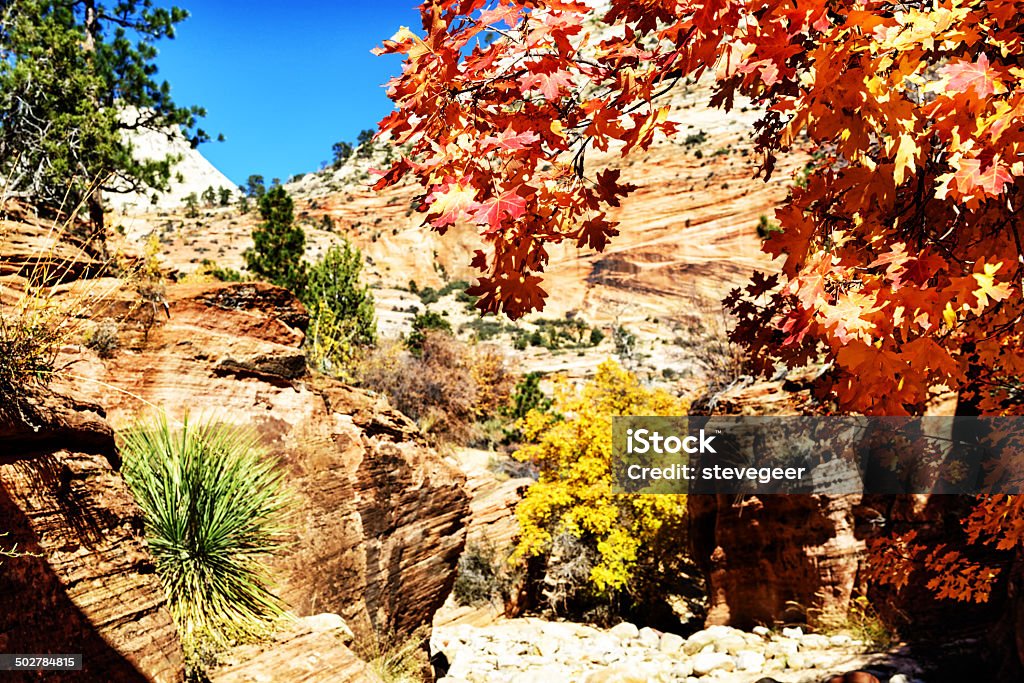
point(88, 584)
point(380, 522)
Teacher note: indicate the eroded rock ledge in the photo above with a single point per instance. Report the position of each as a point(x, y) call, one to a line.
point(381, 516)
point(89, 585)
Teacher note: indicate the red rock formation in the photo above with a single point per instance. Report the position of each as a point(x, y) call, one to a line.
point(771, 558)
point(380, 523)
point(88, 586)
point(306, 653)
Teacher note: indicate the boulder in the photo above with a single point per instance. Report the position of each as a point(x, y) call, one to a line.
point(706, 662)
point(87, 585)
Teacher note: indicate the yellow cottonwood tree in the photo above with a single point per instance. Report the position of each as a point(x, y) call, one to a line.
point(572, 448)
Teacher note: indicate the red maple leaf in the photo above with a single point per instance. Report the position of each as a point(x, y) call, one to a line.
point(510, 140)
point(972, 176)
point(550, 84)
point(979, 77)
point(508, 203)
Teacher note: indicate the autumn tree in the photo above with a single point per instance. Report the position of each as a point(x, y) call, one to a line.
point(900, 257)
point(900, 253)
point(620, 544)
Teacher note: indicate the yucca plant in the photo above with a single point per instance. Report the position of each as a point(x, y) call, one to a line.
point(214, 504)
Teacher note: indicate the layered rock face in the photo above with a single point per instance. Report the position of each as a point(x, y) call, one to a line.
point(774, 557)
point(784, 558)
point(88, 586)
point(379, 522)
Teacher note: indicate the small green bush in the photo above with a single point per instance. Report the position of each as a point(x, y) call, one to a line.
point(214, 507)
point(423, 323)
point(766, 227)
point(340, 305)
point(222, 274)
point(429, 295)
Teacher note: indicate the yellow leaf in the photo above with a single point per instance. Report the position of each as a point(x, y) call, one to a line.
point(949, 316)
point(905, 153)
point(987, 287)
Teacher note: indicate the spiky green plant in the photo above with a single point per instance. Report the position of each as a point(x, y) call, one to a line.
point(214, 505)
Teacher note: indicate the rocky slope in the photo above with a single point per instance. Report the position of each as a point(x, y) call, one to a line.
point(688, 235)
point(380, 514)
point(87, 585)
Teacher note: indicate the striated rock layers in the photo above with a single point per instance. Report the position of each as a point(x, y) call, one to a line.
point(87, 585)
point(380, 518)
point(790, 558)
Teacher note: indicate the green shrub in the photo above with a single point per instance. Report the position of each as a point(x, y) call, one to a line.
point(222, 274)
point(340, 306)
point(766, 227)
point(214, 505)
point(423, 323)
point(429, 295)
point(697, 138)
point(596, 336)
point(527, 396)
point(455, 286)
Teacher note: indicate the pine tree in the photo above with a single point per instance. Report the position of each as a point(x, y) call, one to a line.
point(278, 244)
point(75, 78)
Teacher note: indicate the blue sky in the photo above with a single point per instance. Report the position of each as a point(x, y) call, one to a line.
point(283, 81)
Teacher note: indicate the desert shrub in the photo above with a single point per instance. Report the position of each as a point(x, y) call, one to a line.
point(395, 657)
point(625, 344)
point(860, 621)
point(698, 138)
point(39, 315)
point(340, 305)
point(526, 397)
point(492, 378)
point(214, 507)
point(422, 324)
point(766, 227)
point(484, 575)
point(596, 336)
point(429, 295)
point(222, 274)
point(628, 545)
point(440, 384)
point(103, 339)
point(454, 286)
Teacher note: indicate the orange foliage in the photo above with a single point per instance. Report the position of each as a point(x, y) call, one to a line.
point(901, 254)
